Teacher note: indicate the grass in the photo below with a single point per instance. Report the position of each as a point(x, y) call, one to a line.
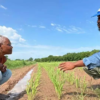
point(13, 64)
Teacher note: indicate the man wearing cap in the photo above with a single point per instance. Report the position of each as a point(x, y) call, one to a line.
point(5, 48)
point(91, 64)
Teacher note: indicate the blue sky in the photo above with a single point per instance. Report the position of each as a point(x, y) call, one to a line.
point(39, 28)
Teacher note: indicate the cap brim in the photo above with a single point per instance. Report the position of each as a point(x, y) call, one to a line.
point(98, 13)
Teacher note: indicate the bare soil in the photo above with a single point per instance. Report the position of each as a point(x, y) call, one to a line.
point(46, 90)
point(17, 74)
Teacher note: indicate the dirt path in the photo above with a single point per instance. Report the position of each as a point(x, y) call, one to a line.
point(46, 89)
point(17, 74)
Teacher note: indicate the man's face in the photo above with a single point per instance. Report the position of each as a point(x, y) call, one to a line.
point(6, 47)
point(98, 22)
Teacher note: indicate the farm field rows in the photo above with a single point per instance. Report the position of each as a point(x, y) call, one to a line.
point(56, 85)
point(49, 83)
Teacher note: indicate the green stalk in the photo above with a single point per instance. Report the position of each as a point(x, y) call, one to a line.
point(31, 89)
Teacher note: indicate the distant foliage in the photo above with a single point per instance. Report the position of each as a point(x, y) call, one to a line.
point(12, 64)
point(30, 59)
point(67, 57)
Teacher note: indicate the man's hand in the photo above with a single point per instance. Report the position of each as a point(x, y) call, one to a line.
point(71, 65)
point(66, 66)
point(3, 68)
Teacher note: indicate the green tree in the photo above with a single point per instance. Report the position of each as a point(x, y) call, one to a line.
point(30, 59)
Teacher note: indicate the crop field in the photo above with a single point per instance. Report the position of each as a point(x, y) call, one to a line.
point(52, 84)
point(49, 83)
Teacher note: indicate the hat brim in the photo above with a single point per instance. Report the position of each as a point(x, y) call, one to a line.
point(98, 13)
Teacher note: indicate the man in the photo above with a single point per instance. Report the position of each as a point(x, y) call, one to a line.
point(92, 63)
point(5, 48)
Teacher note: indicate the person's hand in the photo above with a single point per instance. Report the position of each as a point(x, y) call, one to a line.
point(3, 68)
point(66, 66)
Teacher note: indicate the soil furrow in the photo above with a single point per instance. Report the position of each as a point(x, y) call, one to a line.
point(17, 74)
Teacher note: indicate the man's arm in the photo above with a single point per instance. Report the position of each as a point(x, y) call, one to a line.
point(71, 65)
point(79, 63)
point(90, 62)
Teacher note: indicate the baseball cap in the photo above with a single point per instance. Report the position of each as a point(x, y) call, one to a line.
point(98, 13)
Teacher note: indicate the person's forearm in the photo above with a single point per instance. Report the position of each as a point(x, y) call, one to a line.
point(79, 63)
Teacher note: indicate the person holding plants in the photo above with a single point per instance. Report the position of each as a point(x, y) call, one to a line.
point(91, 64)
point(5, 48)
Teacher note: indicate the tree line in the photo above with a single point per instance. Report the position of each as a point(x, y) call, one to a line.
point(67, 57)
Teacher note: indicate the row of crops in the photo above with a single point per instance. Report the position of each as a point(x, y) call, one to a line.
point(33, 84)
point(58, 79)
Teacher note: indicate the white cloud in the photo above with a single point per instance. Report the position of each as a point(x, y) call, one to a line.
point(70, 29)
point(42, 27)
point(1, 6)
point(34, 26)
point(74, 29)
point(52, 24)
point(59, 29)
point(39, 51)
point(11, 34)
point(67, 31)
